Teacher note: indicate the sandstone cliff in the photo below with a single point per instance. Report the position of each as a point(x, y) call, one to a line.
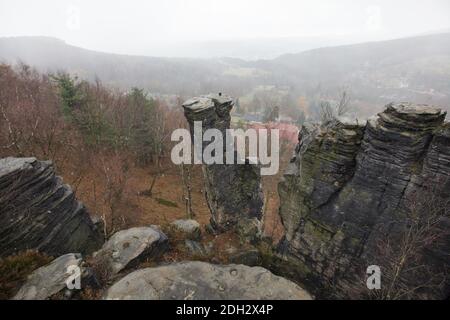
point(351, 188)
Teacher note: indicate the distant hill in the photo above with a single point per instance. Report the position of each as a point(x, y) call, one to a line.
point(411, 68)
point(157, 74)
point(416, 69)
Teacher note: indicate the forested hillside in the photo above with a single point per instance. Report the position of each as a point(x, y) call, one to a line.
point(410, 69)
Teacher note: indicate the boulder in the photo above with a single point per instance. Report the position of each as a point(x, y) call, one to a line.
point(38, 211)
point(129, 247)
point(204, 281)
point(190, 228)
point(48, 280)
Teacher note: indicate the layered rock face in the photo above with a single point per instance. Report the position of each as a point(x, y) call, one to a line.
point(233, 191)
point(349, 185)
point(38, 211)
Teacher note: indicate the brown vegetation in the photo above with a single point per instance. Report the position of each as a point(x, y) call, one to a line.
point(14, 270)
point(112, 147)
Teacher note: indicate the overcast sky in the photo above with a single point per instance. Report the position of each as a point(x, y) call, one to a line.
point(135, 26)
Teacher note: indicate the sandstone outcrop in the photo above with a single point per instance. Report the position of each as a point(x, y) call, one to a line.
point(350, 185)
point(233, 191)
point(126, 248)
point(204, 281)
point(38, 211)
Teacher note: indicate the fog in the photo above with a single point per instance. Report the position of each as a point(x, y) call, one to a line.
point(206, 28)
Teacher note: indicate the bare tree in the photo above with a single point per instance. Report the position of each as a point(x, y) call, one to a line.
point(114, 171)
point(404, 252)
point(185, 171)
point(409, 273)
point(330, 112)
point(343, 105)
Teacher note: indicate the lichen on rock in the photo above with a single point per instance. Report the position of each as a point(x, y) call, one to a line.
point(349, 183)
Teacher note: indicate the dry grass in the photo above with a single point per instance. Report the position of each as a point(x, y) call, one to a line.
point(165, 205)
point(15, 269)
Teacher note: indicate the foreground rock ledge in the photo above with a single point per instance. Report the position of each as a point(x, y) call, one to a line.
point(204, 281)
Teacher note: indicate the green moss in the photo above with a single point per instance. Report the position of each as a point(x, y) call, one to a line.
point(355, 242)
point(416, 168)
point(166, 202)
point(323, 229)
point(339, 235)
point(347, 194)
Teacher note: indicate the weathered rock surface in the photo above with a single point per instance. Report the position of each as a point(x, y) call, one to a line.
point(232, 191)
point(48, 280)
point(128, 247)
point(190, 228)
point(38, 211)
point(201, 281)
point(349, 184)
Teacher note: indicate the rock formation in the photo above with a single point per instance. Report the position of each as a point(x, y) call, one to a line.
point(350, 185)
point(204, 281)
point(38, 211)
point(128, 247)
point(233, 192)
point(188, 227)
point(52, 280)
point(49, 279)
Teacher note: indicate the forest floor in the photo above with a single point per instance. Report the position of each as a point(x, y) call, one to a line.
point(166, 203)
